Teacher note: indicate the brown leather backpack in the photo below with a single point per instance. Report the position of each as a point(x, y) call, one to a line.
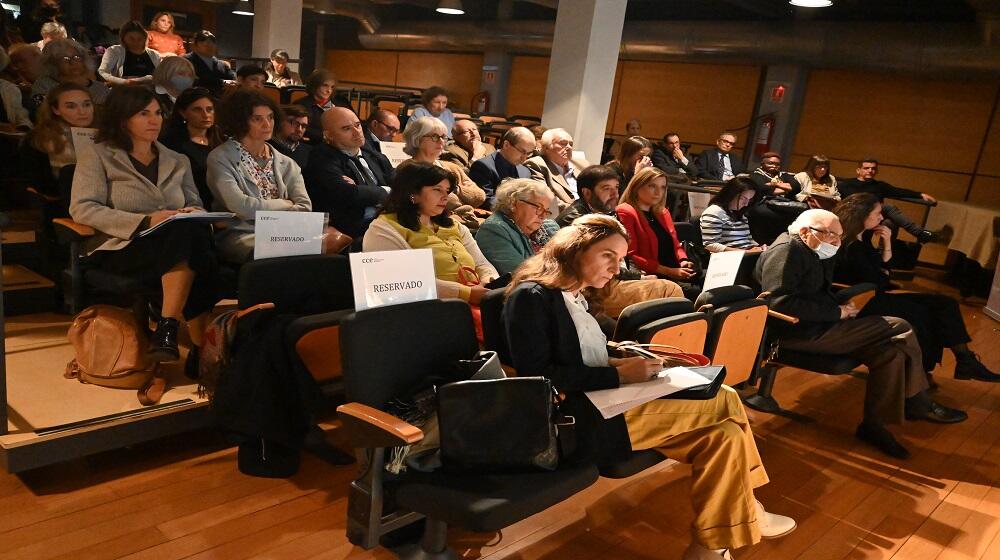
point(111, 351)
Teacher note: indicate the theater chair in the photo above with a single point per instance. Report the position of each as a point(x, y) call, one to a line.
point(737, 323)
point(386, 352)
point(774, 357)
point(668, 321)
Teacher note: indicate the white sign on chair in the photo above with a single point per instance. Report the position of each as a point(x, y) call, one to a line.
point(392, 277)
point(722, 269)
point(284, 234)
point(394, 151)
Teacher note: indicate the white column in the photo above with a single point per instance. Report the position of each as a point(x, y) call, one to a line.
point(277, 24)
point(582, 70)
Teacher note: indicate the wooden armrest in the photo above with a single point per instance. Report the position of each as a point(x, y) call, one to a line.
point(919, 201)
point(368, 427)
point(764, 295)
point(46, 197)
point(73, 229)
point(840, 285)
point(259, 307)
point(705, 308)
point(782, 316)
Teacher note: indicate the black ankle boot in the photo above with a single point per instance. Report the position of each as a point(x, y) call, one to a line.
point(191, 363)
point(163, 343)
point(968, 366)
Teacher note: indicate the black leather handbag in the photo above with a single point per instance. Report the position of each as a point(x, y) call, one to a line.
point(502, 425)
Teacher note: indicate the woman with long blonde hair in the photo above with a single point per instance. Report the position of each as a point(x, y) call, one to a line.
point(161, 35)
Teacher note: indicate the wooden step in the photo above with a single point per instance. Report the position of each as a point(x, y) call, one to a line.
point(26, 291)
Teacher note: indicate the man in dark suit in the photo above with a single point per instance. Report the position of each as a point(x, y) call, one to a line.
point(288, 135)
point(720, 163)
point(516, 146)
point(343, 178)
point(381, 126)
point(670, 157)
point(212, 73)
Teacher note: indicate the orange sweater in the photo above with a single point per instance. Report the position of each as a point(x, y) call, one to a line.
point(166, 43)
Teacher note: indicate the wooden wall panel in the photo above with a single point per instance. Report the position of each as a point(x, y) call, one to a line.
point(898, 119)
point(460, 74)
point(697, 100)
point(986, 192)
point(526, 88)
point(990, 164)
point(375, 67)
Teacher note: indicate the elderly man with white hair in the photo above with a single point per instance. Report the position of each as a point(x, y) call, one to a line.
point(516, 146)
point(797, 270)
point(557, 168)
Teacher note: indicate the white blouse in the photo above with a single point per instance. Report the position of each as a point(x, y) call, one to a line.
point(593, 343)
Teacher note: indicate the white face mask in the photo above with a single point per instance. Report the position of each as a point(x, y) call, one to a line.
point(181, 83)
point(825, 250)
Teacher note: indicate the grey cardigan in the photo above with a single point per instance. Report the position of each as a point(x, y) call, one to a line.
point(110, 196)
point(113, 63)
point(236, 192)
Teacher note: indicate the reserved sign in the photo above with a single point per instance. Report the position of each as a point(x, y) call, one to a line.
point(722, 269)
point(394, 151)
point(392, 277)
point(285, 234)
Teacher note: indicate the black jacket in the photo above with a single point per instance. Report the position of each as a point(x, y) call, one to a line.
point(488, 172)
point(763, 180)
point(543, 341)
point(299, 155)
point(881, 189)
point(210, 77)
point(666, 162)
point(800, 285)
point(329, 192)
point(709, 166)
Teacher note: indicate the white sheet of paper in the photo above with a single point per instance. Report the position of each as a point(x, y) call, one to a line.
point(698, 202)
point(392, 277)
point(83, 139)
point(612, 402)
point(394, 151)
point(580, 154)
point(722, 269)
point(285, 234)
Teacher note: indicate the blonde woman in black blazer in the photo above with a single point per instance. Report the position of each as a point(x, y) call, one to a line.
point(130, 182)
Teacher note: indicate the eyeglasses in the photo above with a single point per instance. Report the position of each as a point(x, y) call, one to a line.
point(73, 58)
point(539, 209)
point(391, 129)
point(437, 137)
point(825, 235)
point(729, 142)
point(525, 153)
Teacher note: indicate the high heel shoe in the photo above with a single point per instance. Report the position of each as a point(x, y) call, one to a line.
point(163, 343)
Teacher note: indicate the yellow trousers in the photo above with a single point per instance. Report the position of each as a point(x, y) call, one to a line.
point(714, 437)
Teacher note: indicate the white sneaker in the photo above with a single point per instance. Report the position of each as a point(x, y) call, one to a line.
point(696, 551)
point(772, 525)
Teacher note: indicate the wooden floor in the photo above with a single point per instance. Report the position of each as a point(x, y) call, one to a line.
point(183, 497)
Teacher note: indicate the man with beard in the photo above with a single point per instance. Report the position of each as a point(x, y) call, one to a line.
point(598, 188)
point(289, 134)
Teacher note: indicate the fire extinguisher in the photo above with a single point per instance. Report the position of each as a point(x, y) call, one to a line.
point(481, 102)
point(765, 129)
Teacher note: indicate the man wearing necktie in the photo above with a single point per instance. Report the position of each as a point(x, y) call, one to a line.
point(342, 177)
point(720, 163)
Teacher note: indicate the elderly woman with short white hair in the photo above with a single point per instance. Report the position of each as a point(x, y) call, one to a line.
point(518, 228)
point(66, 61)
point(426, 139)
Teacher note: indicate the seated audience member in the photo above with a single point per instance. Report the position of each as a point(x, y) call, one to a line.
point(797, 270)
point(538, 131)
point(557, 168)
point(866, 183)
point(64, 61)
point(320, 85)
point(936, 318)
point(13, 115)
point(382, 126)
point(49, 147)
point(191, 131)
point(251, 76)
point(289, 133)
point(31, 23)
point(434, 103)
point(416, 216)
point(425, 139)
point(632, 128)
point(278, 72)
point(161, 36)
point(25, 67)
point(515, 232)
point(670, 158)
point(771, 180)
point(130, 182)
point(131, 62)
point(342, 177)
point(724, 224)
point(51, 30)
point(552, 334)
point(174, 75)
point(633, 155)
point(247, 175)
point(652, 240)
point(212, 73)
point(468, 145)
point(516, 146)
point(598, 189)
point(817, 181)
point(720, 163)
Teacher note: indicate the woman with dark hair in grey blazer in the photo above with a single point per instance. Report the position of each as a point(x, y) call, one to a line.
point(130, 182)
point(246, 175)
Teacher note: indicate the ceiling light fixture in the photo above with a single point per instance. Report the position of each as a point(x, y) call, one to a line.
point(243, 8)
point(811, 3)
point(450, 7)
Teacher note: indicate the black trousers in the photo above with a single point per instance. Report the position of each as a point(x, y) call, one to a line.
point(936, 319)
point(147, 259)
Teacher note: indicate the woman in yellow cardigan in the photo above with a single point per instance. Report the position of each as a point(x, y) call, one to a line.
point(416, 216)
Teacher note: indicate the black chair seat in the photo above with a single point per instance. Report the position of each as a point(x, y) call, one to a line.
point(830, 364)
point(486, 503)
point(638, 462)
